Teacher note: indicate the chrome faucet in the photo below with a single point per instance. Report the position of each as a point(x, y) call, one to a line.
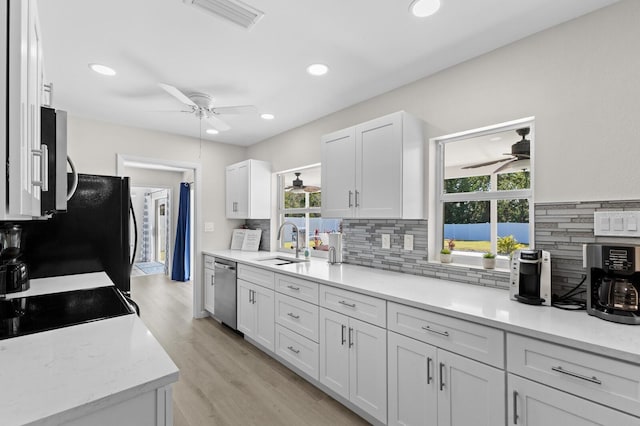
point(295, 228)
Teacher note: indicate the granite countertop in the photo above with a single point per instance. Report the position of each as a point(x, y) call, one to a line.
point(483, 305)
point(54, 376)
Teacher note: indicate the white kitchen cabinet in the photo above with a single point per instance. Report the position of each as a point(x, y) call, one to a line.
point(375, 169)
point(209, 284)
point(533, 404)
point(353, 361)
point(431, 386)
point(256, 317)
point(21, 120)
point(248, 190)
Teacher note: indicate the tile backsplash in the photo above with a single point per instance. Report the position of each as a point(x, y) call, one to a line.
point(561, 229)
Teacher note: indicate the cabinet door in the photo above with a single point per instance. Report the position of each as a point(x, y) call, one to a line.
point(209, 287)
point(413, 393)
point(246, 311)
point(34, 92)
point(338, 176)
point(533, 404)
point(334, 352)
point(237, 190)
point(368, 368)
point(379, 168)
point(470, 393)
point(264, 305)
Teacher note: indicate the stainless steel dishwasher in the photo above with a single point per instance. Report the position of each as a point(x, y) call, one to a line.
point(225, 301)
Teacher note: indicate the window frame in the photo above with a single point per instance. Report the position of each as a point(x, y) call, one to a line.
point(306, 210)
point(436, 214)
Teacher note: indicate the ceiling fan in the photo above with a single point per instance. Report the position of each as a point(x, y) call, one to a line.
point(201, 105)
point(519, 151)
point(299, 188)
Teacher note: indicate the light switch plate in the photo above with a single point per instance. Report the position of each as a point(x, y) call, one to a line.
point(408, 242)
point(616, 224)
point(208, 227)
point(386, 241)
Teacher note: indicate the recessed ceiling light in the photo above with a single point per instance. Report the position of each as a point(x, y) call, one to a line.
point(317, 69)
point(267, 116)
point(424, 8)
point(102, 69)
point(212, 131)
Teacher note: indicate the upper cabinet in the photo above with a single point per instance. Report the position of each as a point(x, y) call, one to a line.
point(248, 190)
point(21, 72)
point(375, 169)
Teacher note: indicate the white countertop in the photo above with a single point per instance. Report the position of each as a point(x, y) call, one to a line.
point(484, 305)
point(51, 377)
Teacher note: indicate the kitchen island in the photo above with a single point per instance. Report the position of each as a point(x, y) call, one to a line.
point(111, 371)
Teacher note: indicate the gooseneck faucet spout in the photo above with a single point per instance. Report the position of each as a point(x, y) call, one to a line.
point(295, 228)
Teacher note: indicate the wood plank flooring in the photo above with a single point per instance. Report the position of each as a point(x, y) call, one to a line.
point(223, 379)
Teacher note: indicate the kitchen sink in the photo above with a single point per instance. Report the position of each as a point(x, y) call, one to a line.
point(33, 314)
point(280, 260)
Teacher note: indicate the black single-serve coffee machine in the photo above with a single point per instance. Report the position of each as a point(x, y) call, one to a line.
point(613, 282)
point(530, 279)
point(14, 276)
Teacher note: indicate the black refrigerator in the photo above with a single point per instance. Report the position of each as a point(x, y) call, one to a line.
point(91, 236)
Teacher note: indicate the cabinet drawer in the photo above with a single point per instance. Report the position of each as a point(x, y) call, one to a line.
point(295, 287)
point(606, 381)
point(356, 305)
point(298, 351)
point(256, 276)
point(475, 341)
point(208, 261)
point(296, 315)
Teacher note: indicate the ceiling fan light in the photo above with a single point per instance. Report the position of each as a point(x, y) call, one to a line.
point(103, 69)
point(424, 8)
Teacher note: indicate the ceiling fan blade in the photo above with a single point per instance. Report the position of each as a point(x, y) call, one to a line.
point(217, 123)
point(311, 189)
point(488, 163)
point(238, 109)
point(176, 93)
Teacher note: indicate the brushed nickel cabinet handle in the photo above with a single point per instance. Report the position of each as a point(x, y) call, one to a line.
point(592, 379)
point(429, 377)
point(351, 305)
point(294, 316)
point(442, 333)
point(294, 350)
point(344, 340)
point(350, 195)
point(293, 288)
point(357, 198)
point(441, 376)
point(515, 407)
point(350, 337)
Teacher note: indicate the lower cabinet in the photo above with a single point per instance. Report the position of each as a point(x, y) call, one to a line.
point(256, 318)
point(209, 290)
point(353, 361)
point(431, 386)
point(533, 404)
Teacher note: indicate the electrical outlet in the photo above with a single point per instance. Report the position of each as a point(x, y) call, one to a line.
point(208, 227)
point(386, 241)
point(408, 242)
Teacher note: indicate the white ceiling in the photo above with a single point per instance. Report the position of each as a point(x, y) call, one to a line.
point(371, 47)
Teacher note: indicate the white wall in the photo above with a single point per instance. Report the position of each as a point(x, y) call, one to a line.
point(581, 80)
point(93, 146)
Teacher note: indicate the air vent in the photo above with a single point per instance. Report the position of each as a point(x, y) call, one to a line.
point(232, 10)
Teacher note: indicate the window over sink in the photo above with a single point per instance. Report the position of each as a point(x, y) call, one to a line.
point(483, 181)
point(299, 202)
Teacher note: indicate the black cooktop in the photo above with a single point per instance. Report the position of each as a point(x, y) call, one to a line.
point(33, 314)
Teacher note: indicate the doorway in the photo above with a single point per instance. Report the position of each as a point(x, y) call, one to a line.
point(152, 208)
point(190, 172)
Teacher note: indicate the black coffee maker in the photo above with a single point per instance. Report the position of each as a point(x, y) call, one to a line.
point(613, 282)
point(14, 276)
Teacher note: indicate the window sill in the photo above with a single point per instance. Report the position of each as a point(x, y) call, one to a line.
point(467, 266)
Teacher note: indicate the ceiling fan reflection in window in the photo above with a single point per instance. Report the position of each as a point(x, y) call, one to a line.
point(298, 187)
point(518, 159)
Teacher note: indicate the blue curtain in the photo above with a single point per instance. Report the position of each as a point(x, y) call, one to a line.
point(181, 252)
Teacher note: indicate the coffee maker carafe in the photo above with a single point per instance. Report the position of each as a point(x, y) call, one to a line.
point(530, 279)
point(613, 282)
point(14, 270)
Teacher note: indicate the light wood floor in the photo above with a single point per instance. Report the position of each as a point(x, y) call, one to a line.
point(223, 379)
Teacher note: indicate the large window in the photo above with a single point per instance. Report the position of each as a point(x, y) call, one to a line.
point(299, 203)
point(484, 192)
